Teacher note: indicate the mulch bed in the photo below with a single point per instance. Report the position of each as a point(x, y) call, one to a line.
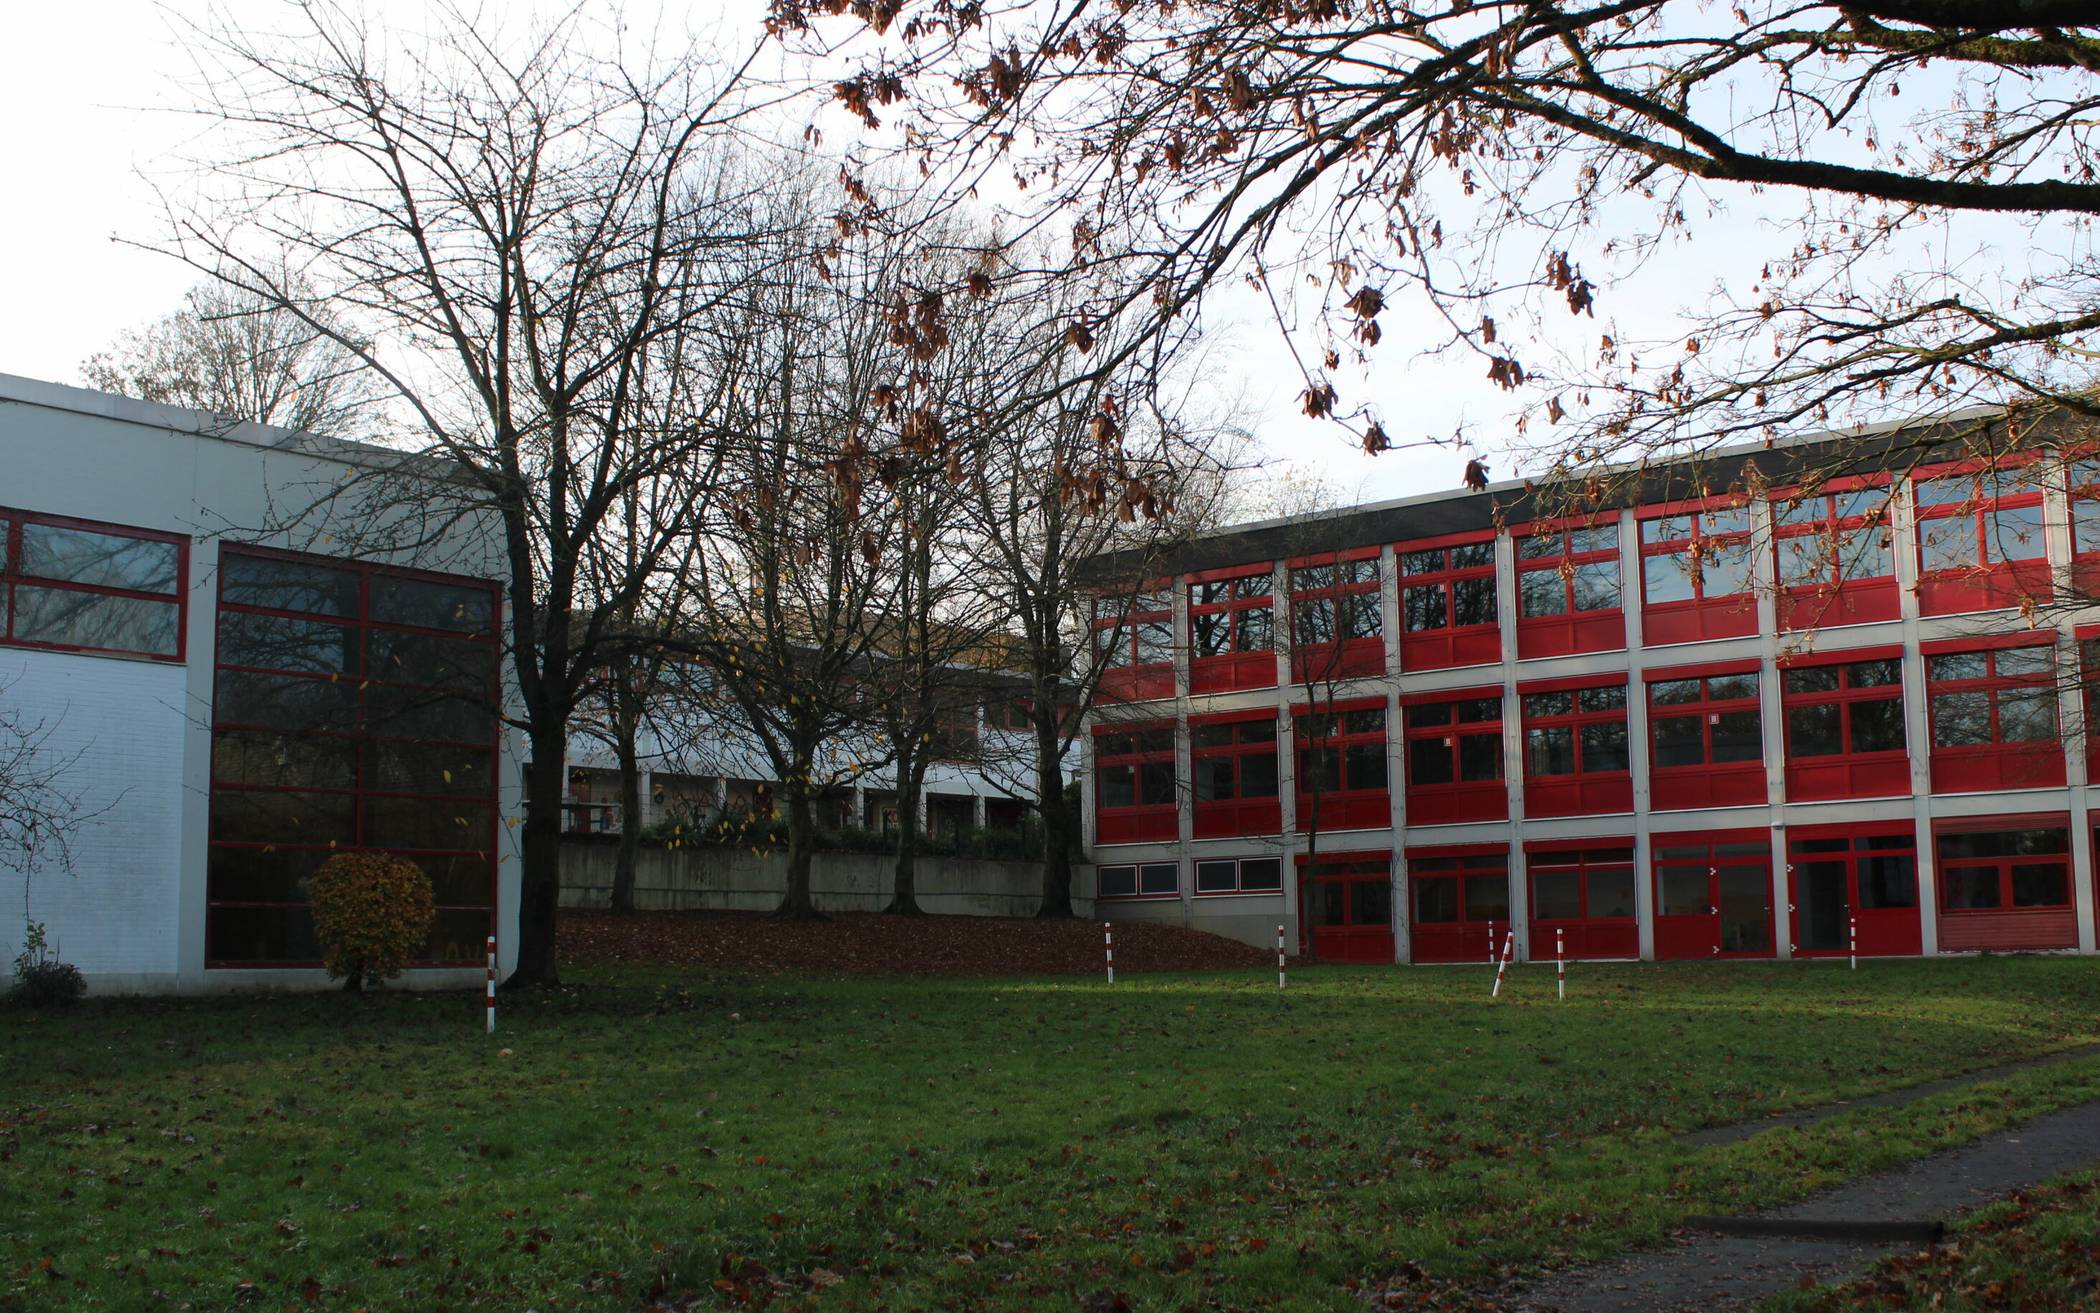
point(865, 944)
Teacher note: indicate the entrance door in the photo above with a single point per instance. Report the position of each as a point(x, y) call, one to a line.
point(1842, 878)
point(1347, 910)
point(1713, 895)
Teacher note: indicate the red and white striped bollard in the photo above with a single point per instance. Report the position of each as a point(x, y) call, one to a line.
point(491, 995)
point(1509, 945)
point(1560, 967)
point(1491, 943)
point(1852, 939)
point(1108, 946)
point(1279, 957)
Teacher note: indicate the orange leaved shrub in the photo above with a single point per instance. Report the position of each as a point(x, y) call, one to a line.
point(372, 914)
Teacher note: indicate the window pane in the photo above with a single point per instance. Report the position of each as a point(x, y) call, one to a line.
point(1156, 782)
point(1971, 887)
point(1116, 881)
point(1210, 633)
point(1668, 528)
point(286, 585)
point(1370, 902)
point(1678, 741)
point(272, 642)
point(1436, 901)
point(1961, 719)
point(1602, 538)
point(1957, 665)
point(1210, 736)
point(1422, 608)
point(1487, 897)
point(1256, 629)
point(1364, 570)
point(2040, 884)
point(1217, 877)
point(1473, 601)
point(1549, 751)
point(1815, 731)
point(2035, 662)
point(1809, 679)
point(318, 819)
point(1874, 674)
point(1307, 578)
point(1683, 891)
point(2027, 716)
point(1253, 585)
point(1480, 757)
point(1548, 704)
point(1208, 594)
point(1673, 692)
point(1538, 547)
point(2085, 525)
point(283, 760)
point(1213, 778)
point(1367, 766)
point(1878, 725)
point(1159, 878)
point(1118, 786)
point(1315, 621)
point(1364, 619)
point(1319, 770)
point(1472, 556)
point(1258, 774)
point(1947, 544)
point(1888, 881)
point(284, 701)
point(431, 605)
point(1368, 720)
point(1603, 748)
point(1556, 895)
point(1667, 578)
point(426, 823)
point(1726, 688)
point(2013, 534)
point(1430, 761)
point(1428, 562)
point(1597, 586)
point(1480, 711)
point(1727, 520)
point(410, 713)
point(76, 619)
point(102, 560)
point(1542, 593)
point(1261, 873)
point(426, 768)
point(1736, 737)
point(1865, 554)
point(1607, 697)
point(1611, 892)
point(1155, 642)
point(1422, 715)
point(1805, 559)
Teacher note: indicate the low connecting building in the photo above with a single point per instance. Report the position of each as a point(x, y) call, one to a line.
point(211, 661)
point(1774, 702)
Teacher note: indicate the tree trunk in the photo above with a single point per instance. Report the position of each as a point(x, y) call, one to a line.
point(911, 771)
point(797, 904)
point(539, 882)
point(1058, 822)
point(629, 854)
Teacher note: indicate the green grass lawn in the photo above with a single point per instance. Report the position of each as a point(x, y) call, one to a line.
point(1173, 1141)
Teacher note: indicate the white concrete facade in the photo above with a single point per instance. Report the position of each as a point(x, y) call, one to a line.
point(138, 730)
point(1254, 917)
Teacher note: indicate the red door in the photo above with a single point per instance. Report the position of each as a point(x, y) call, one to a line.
point(1346, 909)
point(1844, 880)
point(1713, 895)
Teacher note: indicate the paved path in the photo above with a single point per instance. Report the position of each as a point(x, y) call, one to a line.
point(1886, 1099)
point(1709, 1272)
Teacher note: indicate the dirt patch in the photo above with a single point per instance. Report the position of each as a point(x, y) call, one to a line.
point(871, 945)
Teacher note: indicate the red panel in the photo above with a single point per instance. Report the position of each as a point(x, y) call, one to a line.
point(1869, 775)
point(1989, 642)
point(1222, 820)
point(1579, 795)
point(1135, 824)
point(1369, 809)
point(1694, 622)
point(1820, 607)
point(1230, 572)
point(1997, 766)
point(1686, 938)
point(1838, 656)
point(1596, 938)
point(1359, 658)
point(1452, 941)
point(1442, 649)
point(1560, 635)
point(1883, 932)
point(1988, 588)
point(1353, 943)
point(2008, 930)
point(1137, 683)
point(1679, 788)
point(1437, 804)
point(1234, 670)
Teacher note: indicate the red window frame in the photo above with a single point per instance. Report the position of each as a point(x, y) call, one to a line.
point(1823, 585)
point(1691, 539)
point(2010, 924)
point(1994, 762)
point(2082, 475)
point(1238, 812)
point(1466, 936)
point(1353, 591)
point(2088, 638)
point(1848, 772)
point(1348, 806)
point(1145, 819)
point(1434, 725)
point(1721, 777)
point(1573, 627)
point(1885, 929)
point(1125, 620)
point(1345, 906)
point(1445, 564)
point(13, 575)
point(1600, 928)
point(1582, 791)
point(357, 737)
point(1979, 546)
point(1237, 666)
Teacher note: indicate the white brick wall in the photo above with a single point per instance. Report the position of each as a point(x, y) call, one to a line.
point(118, 911)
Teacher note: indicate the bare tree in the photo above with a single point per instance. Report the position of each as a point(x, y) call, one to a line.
point(241, 356)
point(518, 236)
point(1856, 174)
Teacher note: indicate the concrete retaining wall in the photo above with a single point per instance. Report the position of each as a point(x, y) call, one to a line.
point(732, 880)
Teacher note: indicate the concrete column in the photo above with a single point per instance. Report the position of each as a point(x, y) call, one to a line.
point(1637, 726)
point(2056, 536)
point(1917, 711)
point(1512, 710)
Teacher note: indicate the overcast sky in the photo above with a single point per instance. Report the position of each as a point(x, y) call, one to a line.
point(91, 91)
